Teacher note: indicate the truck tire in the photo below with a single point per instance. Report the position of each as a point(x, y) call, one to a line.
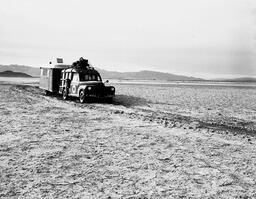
point(82, 96)
point(65, 94)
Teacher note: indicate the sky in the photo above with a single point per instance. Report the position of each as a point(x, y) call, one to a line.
point(203, 38)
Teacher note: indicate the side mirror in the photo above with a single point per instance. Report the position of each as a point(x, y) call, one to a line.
point(106, 81)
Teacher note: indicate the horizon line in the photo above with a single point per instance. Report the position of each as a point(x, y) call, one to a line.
point(205, 76)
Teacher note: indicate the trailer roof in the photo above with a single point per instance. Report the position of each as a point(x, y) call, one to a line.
point(60, 66)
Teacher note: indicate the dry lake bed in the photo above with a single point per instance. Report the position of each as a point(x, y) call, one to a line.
point(156, 140)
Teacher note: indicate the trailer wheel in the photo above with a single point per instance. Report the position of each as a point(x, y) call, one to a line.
point(109, 100)
point(47, 93)
point(82, 96)
point(65, 94)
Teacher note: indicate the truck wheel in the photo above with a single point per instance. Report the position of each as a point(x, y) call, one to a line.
point(82, 96)
point(65, 94)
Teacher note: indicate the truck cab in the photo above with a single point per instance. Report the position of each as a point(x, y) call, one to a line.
point(84, 84)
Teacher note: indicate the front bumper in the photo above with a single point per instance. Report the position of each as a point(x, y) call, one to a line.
point(100, 92)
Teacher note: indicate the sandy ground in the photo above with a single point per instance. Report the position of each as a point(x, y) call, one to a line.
point(50, 148)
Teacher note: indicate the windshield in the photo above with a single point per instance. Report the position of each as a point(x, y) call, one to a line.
point(89, 77)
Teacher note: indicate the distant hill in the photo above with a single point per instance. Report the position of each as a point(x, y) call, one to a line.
point(141, 75)
point(32, 71)
point(242, 79)
point(9, 73)
point(145, 75)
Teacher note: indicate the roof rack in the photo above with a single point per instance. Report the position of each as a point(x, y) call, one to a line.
point(82, 64)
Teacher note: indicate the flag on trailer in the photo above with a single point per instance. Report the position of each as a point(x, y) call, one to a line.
point(59, 60)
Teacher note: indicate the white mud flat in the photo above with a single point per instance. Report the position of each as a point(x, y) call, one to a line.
point(133, 148)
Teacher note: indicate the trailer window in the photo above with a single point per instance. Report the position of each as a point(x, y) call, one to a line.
point(44, 72)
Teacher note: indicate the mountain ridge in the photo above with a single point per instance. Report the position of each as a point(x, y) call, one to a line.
point(140, 75)
point(32, 71)
point(9, 73)
point(240, 79)
point(145, 75)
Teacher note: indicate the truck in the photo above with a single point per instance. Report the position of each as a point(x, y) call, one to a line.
point(79, 80)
